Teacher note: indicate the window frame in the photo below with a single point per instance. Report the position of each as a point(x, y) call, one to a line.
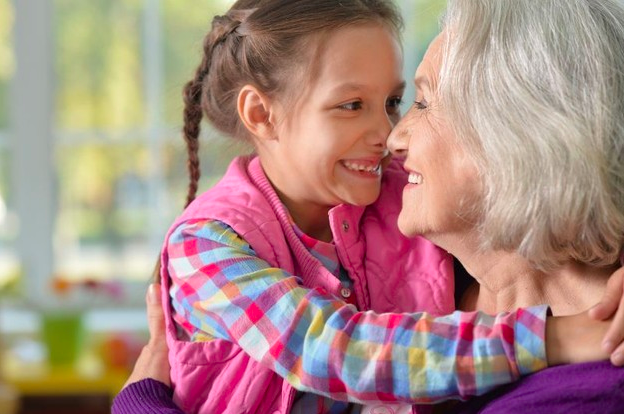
point(31, 144)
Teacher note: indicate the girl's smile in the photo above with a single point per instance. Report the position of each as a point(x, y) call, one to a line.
point(365, 168)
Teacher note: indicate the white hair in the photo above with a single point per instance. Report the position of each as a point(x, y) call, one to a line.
point(535, 90)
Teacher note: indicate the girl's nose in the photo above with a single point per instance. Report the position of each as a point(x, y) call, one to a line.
point(398, 140)
point(381, 128)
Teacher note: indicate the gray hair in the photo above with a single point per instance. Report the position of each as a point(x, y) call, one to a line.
point(535, 90)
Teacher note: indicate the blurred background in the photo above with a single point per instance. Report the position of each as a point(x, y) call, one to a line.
point(92, 172)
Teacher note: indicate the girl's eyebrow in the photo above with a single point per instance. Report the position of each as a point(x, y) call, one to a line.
point(348, 87)
point(401, 85)
point(354, 87)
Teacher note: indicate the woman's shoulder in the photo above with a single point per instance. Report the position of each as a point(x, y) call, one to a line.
point(589, 387)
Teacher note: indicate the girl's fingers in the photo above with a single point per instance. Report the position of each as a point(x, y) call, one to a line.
point(613, 298)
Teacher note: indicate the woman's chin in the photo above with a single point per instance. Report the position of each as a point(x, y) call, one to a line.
point(407, 227)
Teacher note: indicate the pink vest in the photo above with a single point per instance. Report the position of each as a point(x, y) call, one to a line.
point(406, 275)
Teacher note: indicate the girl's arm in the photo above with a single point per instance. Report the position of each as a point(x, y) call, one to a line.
point(320, 344)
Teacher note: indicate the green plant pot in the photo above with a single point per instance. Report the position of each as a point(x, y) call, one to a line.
point(62, 334)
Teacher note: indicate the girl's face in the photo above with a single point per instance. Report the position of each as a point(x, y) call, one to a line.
point(330, 146)
point(444, 185)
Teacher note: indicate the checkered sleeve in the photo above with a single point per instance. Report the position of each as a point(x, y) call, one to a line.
point(319, 344)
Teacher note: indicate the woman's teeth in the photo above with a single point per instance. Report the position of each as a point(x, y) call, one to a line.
point(363, 168)
point(415, 178)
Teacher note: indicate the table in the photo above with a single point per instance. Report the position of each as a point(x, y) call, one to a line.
point(87, 388)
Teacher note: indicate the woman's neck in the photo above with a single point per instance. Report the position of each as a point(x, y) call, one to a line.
point(507, 281)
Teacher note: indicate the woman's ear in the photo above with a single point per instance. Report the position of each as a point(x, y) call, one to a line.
point(254, 110)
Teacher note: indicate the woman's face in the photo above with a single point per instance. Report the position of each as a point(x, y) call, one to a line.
point(444, 186)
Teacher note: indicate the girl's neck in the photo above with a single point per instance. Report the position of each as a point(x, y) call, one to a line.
point(312, 219)
point(506, 281)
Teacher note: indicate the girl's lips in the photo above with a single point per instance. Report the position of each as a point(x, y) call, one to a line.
point(366, 166)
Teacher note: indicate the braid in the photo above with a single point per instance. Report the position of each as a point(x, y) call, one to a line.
point(193, 113)
point(222, 27)
point(192, 119)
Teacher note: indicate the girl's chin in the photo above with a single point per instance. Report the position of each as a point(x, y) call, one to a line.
point(361, 200)
point(359, 195)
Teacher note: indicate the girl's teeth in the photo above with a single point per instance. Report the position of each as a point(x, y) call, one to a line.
point(415, 178)
point(357, 167)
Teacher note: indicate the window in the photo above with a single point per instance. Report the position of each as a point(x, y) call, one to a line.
point(120, 160)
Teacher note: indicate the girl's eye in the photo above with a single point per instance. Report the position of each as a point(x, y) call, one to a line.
point(422, 104)
point(394, 104)
point(352, 106)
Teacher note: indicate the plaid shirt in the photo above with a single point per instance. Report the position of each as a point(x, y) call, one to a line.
point(221, 289)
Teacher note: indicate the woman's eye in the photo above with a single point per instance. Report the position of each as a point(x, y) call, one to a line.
point(394, 104)
point(352, 106)
point(422, 104)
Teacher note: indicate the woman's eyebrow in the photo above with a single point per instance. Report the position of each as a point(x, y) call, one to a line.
point(421, 82)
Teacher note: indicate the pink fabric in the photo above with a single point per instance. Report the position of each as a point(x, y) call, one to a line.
point(404, 274)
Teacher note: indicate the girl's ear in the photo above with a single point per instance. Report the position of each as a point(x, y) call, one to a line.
point(254, 109)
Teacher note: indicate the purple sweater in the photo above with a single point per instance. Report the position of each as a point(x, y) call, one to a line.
point(596, 387)
point(147, 396)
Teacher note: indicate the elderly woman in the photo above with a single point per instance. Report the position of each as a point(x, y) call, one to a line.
point(515, 154)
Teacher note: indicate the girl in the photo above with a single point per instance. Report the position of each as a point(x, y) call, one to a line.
point(289, 281)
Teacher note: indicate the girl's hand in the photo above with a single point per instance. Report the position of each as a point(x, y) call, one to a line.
point(153, 361)
point(573, 339)
point(612, 306)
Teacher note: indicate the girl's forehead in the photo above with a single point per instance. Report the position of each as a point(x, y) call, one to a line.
point(358, 50)
point(349, 61)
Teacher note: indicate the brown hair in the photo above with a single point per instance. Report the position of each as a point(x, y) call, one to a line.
point(262, 43)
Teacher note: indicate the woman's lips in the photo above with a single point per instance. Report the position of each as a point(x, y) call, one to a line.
point(415, 178)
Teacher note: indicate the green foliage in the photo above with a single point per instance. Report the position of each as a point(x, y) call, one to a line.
point(7, 59)
point(99, 47)
point(185, 23)
point(98, 63)
point(425, 19)
point(421, 26)
point(90, 193)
